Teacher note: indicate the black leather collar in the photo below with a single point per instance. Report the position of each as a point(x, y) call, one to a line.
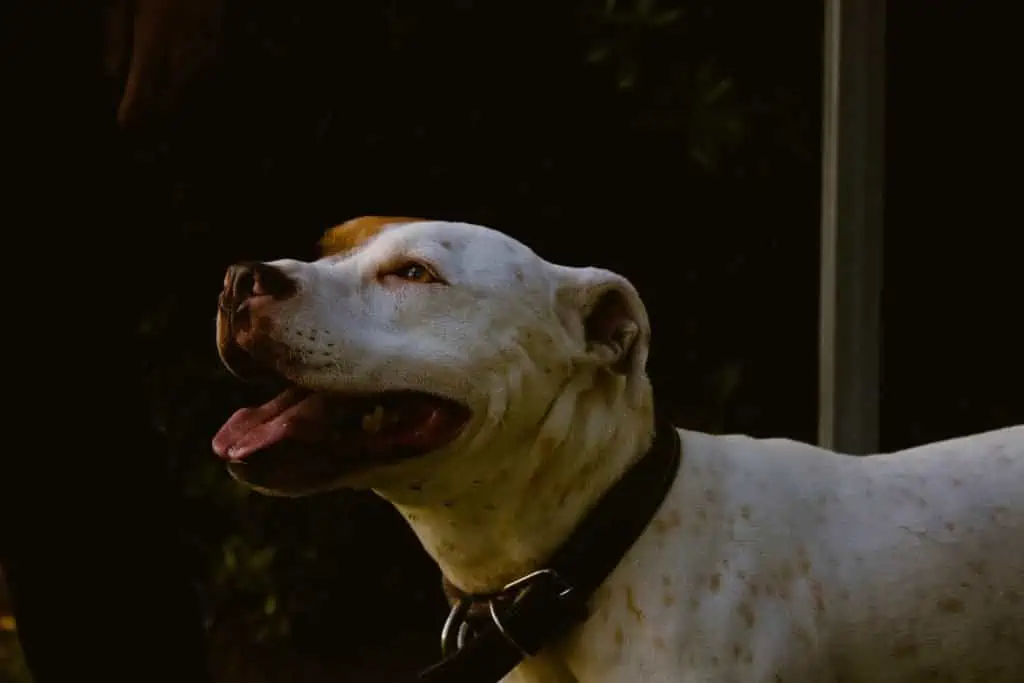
point(486, 636)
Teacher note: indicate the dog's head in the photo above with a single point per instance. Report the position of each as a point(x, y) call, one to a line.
point(411, 342)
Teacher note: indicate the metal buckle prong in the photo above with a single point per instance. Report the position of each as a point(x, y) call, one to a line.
point(564, 590)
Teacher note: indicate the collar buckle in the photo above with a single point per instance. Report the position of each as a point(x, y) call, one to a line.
point(458, 629)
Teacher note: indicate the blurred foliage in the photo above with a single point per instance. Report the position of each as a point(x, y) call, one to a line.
point(696, 117)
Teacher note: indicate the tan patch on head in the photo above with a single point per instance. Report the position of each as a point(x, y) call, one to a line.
point(355, 232)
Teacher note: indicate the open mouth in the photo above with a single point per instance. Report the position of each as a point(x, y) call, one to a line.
point(302, 436)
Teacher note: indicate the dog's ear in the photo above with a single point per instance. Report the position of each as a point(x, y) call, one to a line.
point(605, 310)
point(354, 232)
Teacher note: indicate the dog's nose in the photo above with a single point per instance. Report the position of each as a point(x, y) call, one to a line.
point(244, 281)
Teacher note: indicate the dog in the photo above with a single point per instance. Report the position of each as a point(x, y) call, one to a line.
point(492, 397)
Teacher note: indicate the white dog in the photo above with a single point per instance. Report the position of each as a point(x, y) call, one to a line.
point(494, 398)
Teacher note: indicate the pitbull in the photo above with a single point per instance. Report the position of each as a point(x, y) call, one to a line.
point(494, 397)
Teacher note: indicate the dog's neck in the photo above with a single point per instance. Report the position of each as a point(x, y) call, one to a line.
point(504, 514)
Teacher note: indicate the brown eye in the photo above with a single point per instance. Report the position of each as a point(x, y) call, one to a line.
point(414, 272)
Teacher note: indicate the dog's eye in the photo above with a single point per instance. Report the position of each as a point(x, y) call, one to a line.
point(413, 272)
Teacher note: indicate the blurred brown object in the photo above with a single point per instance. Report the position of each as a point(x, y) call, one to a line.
point(155, 48)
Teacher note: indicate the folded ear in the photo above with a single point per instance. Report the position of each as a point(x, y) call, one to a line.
point(354, 232)
point(606, 311)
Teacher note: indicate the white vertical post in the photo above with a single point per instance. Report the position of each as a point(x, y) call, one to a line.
point(853, 160)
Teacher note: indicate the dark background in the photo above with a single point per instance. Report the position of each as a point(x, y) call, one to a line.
point(676, 142)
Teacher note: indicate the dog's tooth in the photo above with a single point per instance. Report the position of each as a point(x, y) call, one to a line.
point(373, 421)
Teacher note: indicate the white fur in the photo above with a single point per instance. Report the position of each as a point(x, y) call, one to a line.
point(771, 561)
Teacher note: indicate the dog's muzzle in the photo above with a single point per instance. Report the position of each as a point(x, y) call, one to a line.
point(248, 288)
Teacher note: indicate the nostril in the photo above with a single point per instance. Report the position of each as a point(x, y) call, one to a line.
point(271, 281)
point(239, 282)
point(247, 280)
point(245, 284)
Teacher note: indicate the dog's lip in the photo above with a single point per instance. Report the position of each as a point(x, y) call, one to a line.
point(243, 365)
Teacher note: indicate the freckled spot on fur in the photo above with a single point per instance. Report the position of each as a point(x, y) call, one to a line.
point(804, 637)
point(950, 526)
point(755, 589)
point(745, 512)
point(747, 612)
point(659, 643)
point(356, 232)
point(619, 637)
point(715, 582)
point(950, 605)
point(904, 647)
point(449, 503)
point(546, 445)
point(737, 651)
point(632, 606)
point(669, 600)
point(957, 482)
point(666, 580)
point(446, 244)
point(819, 596)
point(999, 511)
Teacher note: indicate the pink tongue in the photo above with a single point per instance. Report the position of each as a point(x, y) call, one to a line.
point(294, 413)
